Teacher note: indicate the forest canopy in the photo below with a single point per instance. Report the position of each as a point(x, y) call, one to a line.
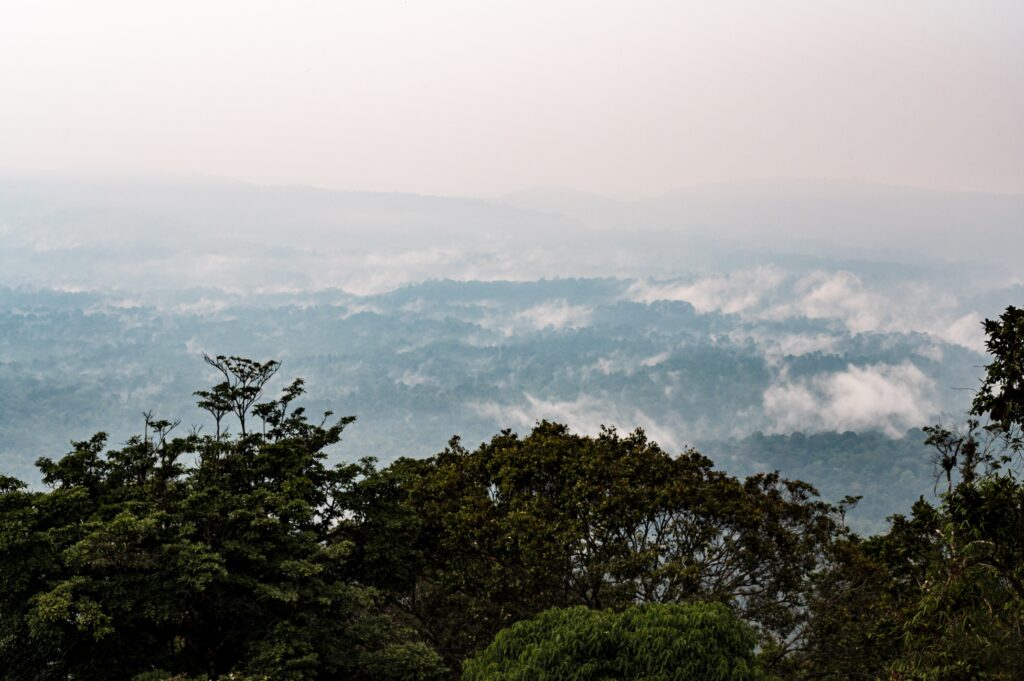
point(245, 554)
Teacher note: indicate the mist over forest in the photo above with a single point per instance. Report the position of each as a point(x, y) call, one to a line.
point(511, 341)
point(807, 327)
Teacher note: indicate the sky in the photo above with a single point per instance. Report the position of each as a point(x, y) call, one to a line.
point(627, 99)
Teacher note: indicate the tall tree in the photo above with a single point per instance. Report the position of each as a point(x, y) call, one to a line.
point(197, 556)
point(968, 618)
point(941, 595)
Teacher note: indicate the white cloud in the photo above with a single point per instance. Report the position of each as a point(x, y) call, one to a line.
point(204, 306)
point(966, 331)
point(624, 363)
point(657, 359)
point(767, 293)
point(931, 351)
point(777, 346)
point(557, 314)
point(731, 293)
point(585, 414)
point(802, 344)
point(553, 314)
point(903, 308)
point(891, 398)
point(836, 295)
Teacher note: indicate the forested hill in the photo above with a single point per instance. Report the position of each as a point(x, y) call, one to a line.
point(888, 474)
point(243, 553)
point(425, 362)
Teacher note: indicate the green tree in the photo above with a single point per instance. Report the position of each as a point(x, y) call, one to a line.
point(862, 599)
point(1001, 396)
point(941, 595)
point(196, 556)
point(521, 525)
point(691, 642)
point(968, 618)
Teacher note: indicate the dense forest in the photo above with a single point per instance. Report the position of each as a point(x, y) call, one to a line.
point(838, 406)
point(238, 552)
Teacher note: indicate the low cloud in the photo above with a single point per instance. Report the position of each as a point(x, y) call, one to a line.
point(557, 314)
point(802, 344)
point(837, 295)
point(585, 414)
point(768, 293)
point(902, 308)
point(731, 293)
point(966, 331)
point(890, 398)
point(551, 314)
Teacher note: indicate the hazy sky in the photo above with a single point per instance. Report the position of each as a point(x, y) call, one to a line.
point(479, 98)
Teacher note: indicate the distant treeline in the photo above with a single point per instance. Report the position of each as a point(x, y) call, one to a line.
point(239, 553)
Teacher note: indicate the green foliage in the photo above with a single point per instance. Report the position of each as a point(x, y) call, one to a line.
point(521, 525)
point(195, 557)
point(653, 642)
point(966, 617)
point(941, 595)
point(1001, 396)
point(548, 556)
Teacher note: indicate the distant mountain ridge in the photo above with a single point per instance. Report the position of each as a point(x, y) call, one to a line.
point(215, 231)
point(814, 217)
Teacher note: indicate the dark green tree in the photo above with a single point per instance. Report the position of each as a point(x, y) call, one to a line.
point(968, 618)
point(941, 595)
point(521, 525)
point(1001, 396)
point(196, 556)
point(667, 642)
